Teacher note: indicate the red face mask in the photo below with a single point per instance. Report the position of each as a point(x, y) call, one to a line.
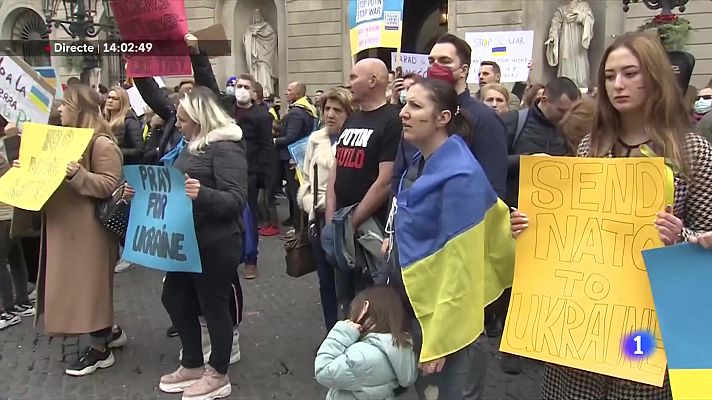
point(441, 72)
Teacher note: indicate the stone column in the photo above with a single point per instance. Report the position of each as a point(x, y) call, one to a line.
point(536, 15)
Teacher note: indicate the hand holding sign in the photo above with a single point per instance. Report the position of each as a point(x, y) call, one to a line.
point(72, 169)
point(129, 192)
point(192, 43)
point(16, 163)
point(669, 226)
point(519, 222)
point(192, 187)
point(704, 240)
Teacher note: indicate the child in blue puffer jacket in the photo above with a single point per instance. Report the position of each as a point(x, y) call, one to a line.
point(371, 354)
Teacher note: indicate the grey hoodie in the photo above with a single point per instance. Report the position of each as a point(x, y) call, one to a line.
point(368, 367)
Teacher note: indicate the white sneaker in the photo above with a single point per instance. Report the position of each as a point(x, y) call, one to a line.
point(235, 354)
point(123, 266)
point(8, 319)
point(24, 310)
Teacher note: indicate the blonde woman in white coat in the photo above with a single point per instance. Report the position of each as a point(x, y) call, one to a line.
point(336, 107)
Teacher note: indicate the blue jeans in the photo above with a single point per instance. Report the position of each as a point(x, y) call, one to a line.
point(327, 285)
point(462, 377)
point(250, 236)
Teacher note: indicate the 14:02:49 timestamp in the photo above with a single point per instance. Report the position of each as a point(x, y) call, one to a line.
point(126, 47)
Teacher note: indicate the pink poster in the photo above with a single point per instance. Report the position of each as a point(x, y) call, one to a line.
point(154, 31)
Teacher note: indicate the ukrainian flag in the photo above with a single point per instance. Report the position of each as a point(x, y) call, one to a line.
point(679, 280)
point(499, 51)
point(39, 99)
point(455, 247)
point(48, 74)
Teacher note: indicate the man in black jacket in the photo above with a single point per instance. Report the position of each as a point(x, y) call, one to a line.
point(296, 125)
point(537, 130)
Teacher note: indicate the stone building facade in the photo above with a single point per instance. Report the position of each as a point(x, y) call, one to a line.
point(313, 45)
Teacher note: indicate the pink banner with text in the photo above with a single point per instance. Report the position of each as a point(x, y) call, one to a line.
point(163, 24)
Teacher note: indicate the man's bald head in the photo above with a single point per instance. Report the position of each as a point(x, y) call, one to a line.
point(295, 91)
point(369, 79)
point(374, 66)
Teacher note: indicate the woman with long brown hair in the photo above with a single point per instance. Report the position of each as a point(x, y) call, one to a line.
point(641, 107)
point(124, 125)
point(76, 293)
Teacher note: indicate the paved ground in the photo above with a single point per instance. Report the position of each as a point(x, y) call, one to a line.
point(279, 337)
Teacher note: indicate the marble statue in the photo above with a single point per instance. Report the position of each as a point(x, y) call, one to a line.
point(570, 36)
point(260, 42)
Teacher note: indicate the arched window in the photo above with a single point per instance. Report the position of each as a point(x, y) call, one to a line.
point(30, 38)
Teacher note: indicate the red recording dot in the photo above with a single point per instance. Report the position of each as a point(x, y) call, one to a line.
point(48, 48)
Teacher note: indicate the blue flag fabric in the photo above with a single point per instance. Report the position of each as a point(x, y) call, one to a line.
point(680, 279)
point(455, 248)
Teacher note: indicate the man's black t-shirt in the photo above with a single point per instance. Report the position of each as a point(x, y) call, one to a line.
point(367, 139)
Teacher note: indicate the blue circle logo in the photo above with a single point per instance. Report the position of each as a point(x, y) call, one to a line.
point(638, 345)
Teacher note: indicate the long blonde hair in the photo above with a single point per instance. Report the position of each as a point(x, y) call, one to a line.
point(203, 107)
point(667, 119)
point(116, 118)
point(85, 102)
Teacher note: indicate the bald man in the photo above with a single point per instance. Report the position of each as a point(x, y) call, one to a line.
point(297, 124)
point(365, 152)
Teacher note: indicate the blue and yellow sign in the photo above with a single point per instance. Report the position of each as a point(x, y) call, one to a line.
point(375, 23)
point(679, 279)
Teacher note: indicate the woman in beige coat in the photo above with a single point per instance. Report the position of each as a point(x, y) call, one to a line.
point(75, 281)
point(336, 107)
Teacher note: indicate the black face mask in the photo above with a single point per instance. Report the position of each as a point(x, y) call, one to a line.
point(276, 107)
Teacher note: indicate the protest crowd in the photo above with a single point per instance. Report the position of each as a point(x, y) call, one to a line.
point(406, 195)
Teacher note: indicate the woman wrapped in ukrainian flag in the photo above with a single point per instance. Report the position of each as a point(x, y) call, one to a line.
point(453, 243)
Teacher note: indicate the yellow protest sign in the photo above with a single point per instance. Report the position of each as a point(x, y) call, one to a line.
point(580, 284)
point(45, 152)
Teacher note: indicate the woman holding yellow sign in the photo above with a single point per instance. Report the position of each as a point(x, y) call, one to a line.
point(641, 114)
point(76, 294)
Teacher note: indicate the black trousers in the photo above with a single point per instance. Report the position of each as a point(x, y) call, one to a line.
point(211, 290)
point(11, 255)
point(292, 187)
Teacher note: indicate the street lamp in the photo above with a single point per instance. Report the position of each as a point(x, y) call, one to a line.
point(666, 5)
point(79, 22)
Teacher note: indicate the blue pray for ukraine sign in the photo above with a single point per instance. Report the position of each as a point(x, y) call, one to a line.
point(161, 232)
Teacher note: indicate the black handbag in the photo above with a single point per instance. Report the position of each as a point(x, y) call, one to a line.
point(113, 213)
point(300, 258)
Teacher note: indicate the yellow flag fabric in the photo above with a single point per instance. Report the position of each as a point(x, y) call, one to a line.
point(455, 248)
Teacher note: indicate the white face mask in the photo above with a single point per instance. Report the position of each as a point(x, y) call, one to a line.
point(230, 90)
point(402, 96)
point(703, 106)
point(243, 95)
